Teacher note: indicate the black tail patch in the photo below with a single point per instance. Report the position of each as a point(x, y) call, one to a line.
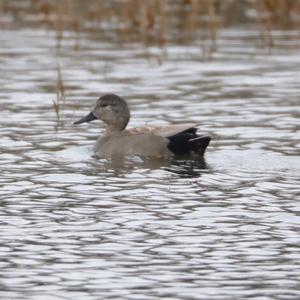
point(199, 144)
point(188, 142)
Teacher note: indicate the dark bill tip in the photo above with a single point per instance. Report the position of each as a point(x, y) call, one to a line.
point(90, 117)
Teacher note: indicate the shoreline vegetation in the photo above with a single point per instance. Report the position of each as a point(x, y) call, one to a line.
point(154, 21)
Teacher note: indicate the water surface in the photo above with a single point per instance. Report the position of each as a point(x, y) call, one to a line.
point(223, 227)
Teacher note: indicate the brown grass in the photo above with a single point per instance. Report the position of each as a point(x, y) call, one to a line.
point(276, 14)
point(159, 21)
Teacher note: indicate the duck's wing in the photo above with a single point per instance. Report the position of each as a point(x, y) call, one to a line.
point(181, 139)
point(165, 131)
point(171, 130)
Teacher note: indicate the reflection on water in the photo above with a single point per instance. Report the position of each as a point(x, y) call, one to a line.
point(188, 167)
point(222, 227)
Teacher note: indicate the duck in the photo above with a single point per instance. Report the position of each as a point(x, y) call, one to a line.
point(149, 141)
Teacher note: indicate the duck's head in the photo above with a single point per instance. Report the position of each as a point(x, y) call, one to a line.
point(112, 110)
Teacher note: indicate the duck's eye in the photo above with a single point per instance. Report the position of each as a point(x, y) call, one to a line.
point(103, 105)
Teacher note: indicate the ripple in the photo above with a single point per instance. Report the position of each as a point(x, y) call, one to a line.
point(223, 227)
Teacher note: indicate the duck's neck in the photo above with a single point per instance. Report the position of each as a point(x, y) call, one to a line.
point(112, 129)
point(116, 125)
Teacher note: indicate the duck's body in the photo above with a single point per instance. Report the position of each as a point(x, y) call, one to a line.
point(126, 143)
point(158, 142)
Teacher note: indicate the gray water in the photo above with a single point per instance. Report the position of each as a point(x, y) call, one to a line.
point(223, 227)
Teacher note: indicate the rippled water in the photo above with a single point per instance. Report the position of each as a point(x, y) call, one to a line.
point(73, 227)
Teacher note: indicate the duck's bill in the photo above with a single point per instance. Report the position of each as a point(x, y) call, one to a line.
point(90, 117)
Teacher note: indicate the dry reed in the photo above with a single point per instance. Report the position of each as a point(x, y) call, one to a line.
point(59, 103)
point(159, 21)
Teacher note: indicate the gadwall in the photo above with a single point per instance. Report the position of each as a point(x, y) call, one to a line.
point(151, 141)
